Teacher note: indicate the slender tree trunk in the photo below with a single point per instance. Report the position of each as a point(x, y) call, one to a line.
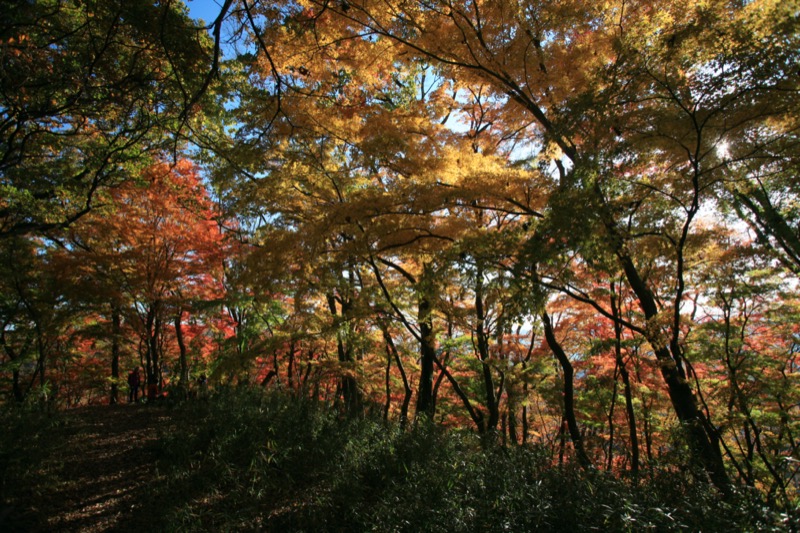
point(116, 328)
point(475, 414)
point(648, 437)
point(612, 408)
point(512, 416)
point(387, 405)
point(305, 375)
point(424, 334)
point(525, 388)
point(749, 454)
point(276, 369)
point(631, 414)
point(427, 357)
point(525, 415)
point(347, 387)
point(700, 434)
point(646, 409)
point(271, 374)
point(407, 392)
point(443, 360)
point(492, 404)
point(569, 391)
point(152, 327)
point(437, 385)
point(626, 382)
point(19, 395)
point(290, 366)
point(183, 381)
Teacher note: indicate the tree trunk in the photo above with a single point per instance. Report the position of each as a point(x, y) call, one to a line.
point(116, 329)
point(443, 360)
point(183, 381)
point(512, 416)
point(391, 350)
point(492, 404)
point(476, 415)
point(348, 386)
point(437, 385)
point(290, 379)
point(525, 415)
point(569, 391)
point(626, 382)
point(700, 434)
point(427, 357)
point(152, 327)
point(631, 413)
point(19, 395)
point(387, 404)
point(611, 410)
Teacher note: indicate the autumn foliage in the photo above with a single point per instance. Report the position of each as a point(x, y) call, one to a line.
point(564, 224)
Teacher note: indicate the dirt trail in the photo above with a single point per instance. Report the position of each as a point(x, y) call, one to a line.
point(97, 476)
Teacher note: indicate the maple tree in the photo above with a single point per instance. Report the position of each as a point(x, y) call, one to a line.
point(602, 128)
point(627, 102)
point(152, 252)
point(32, 317)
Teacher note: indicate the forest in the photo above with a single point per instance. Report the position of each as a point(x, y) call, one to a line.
point(570, 227)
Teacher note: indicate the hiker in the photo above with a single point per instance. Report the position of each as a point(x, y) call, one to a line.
point(202, 383)
point(133, 384)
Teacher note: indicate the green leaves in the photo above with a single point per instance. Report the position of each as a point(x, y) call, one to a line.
point(86, 89)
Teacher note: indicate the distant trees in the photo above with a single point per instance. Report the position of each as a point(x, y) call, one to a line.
point(136, 268)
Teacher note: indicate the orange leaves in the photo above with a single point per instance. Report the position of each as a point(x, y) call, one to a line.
point(158, 234)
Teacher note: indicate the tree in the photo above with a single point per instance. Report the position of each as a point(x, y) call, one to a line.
point(744, 345)
point(89, 92)
point(624, 118)
point(155, 249)
point(32, 314)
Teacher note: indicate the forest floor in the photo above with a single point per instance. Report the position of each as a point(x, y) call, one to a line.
point(96, 473)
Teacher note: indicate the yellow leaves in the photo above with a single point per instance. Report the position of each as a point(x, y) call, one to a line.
point(765, 15)
point(657, 330)
point(552, 152)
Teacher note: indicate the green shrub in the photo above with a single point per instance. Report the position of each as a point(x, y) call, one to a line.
point(249, 460)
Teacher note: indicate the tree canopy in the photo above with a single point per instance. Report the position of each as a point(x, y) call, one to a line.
point(569, 224)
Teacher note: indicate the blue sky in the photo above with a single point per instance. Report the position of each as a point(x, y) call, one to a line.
point(204, 9)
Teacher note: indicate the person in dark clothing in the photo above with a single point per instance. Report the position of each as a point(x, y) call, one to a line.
point(202, 385)
point(133, 384)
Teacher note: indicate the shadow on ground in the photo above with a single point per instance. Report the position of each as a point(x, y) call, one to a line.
point(96, 475)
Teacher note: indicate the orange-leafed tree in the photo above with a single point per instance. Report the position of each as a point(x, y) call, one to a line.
point(590, 142)
point(157, 250)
